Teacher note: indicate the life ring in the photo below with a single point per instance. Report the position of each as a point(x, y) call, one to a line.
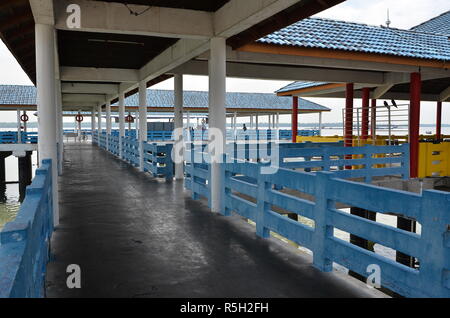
point(24, 118)
point(129, 119)
point(79, 118)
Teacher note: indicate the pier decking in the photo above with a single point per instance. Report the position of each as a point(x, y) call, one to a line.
point(134, 237)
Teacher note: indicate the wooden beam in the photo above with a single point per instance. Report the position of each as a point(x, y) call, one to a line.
point(445, 95)
point(343, 55)
point(296, 12)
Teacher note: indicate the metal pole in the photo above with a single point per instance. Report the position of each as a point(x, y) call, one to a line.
point(373, 125)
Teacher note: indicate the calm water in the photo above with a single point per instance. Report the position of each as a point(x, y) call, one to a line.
point(9, 197)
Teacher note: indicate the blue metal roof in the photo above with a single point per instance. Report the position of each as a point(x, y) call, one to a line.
point(194, 99)
point(355, 37)
point(26, 95)
point(437, 25)
point(17, 95)
point(300, 85)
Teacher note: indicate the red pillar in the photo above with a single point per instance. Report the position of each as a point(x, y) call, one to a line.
point(373, 124)
point(349, 115)
point(294, 118)
point(439, 121)
point(416, 87)
point(365, 114)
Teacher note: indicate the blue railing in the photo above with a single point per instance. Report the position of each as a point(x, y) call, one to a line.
point(431, 210)
point(202, 135)
point(130, 151)
point(157, 157)
point(251, 193)
point(158, 160)
point(11, 137)
point(24, 243)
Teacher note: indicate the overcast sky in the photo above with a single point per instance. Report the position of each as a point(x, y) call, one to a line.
point(404, 14)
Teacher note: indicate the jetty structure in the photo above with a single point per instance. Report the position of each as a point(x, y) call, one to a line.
point(138, 218)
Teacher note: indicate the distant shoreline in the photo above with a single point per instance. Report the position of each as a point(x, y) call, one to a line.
point(282, 125)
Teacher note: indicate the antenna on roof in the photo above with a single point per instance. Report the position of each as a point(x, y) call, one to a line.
point(388, 22)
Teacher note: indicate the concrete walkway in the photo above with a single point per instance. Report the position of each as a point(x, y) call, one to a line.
point(135, 236)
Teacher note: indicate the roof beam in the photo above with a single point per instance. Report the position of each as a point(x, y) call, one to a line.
point(283, 72)
point(444, 95)
point(242, 55)
point(43, 11)
point(232, 18)
point(88, 88)
point(237, 15)
point(110, 17)
point(95, 98)
point(381, 90)
point(90, 74)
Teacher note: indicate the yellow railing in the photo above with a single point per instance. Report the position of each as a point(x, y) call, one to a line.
point(434, 159)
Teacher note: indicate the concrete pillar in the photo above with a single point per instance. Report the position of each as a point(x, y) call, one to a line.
point(439, 121)
point(320, 123)
point(217, 117)
point(278, 126)
point(142, 133)
point(121, 121)
point(93, 124)
point(99, 119)
point(59, 127)
point(108, 122)
point(19, 128)
point(178, 122)
point(414, 125)
point(46, 105)
point(294, 118)
point(365, 113)
point(25, 173)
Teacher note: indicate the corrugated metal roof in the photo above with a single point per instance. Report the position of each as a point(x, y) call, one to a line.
point(437, 25)
point(17, 95)
point(355, 37)
point(26, 95)
point(195, 99)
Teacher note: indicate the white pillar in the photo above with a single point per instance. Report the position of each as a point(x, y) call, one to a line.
point(19, 128)
point(251, 121)
point(278, 127)
point(178, 123)
point(46, 104)
point(59, 127)
point(142, 133)
point(108, 122)
point(121, 121)
point(79, 127)
point(93, 125)
point(217, 117)
point(320, 123)
point(235, 126)
point(99, 118)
